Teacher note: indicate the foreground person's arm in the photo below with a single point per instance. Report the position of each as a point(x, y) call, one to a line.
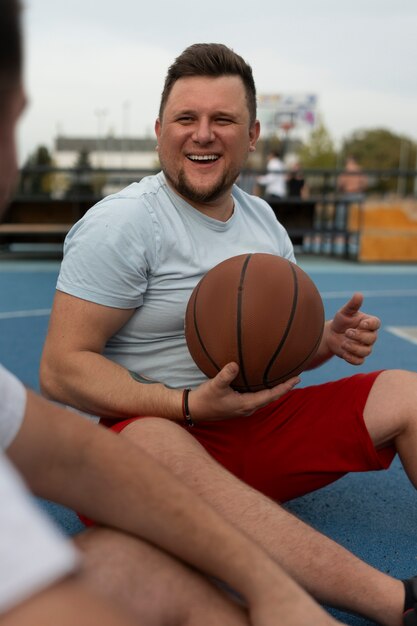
point(67, 459)
point(42, 581)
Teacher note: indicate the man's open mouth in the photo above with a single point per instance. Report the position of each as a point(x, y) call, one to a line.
point(203, 158)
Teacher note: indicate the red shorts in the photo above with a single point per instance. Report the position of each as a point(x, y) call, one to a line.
point(307, 439)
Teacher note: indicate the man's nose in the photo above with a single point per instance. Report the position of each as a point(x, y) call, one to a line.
point(203, 132)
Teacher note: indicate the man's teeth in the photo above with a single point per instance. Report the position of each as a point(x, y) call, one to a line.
point(206, 157)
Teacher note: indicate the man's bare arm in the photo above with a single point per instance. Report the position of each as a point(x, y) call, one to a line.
point(75, 372)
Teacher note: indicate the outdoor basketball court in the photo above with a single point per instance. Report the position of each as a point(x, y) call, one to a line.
point(374, 514)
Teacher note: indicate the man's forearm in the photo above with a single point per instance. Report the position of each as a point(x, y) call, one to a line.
point(96, 385)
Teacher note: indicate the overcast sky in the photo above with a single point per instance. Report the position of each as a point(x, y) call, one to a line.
point(94, 66)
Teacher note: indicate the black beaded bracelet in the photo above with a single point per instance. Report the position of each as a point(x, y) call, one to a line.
point(185, 410)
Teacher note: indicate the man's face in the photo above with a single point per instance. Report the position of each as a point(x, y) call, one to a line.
point(13, 103)
point(204, 138)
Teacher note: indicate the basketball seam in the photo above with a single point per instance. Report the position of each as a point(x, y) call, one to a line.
point(203, 347)
point(239, 315)
point(287, 328)
point(312, 351)
point(276, 381)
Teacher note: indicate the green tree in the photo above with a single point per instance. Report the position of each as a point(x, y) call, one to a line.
point(379, 148)
point(82, 177)
point(319, 153)
point(34, 180)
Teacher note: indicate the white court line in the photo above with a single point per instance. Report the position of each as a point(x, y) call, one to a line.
point(381, 293)
point(328, 295)
point(10, 315)
point(407, 333)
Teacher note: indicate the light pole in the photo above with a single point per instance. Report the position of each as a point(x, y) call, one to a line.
point(100, 114)
point(125, 132)
point(402, 165)
point(415, 177)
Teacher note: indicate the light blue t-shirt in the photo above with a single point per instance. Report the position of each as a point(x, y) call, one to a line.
point(146, 248)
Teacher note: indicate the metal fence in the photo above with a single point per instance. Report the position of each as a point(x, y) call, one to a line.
point(44, 181)
point(49, 200)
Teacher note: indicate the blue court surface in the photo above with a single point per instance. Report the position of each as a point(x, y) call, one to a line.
point(375, 514)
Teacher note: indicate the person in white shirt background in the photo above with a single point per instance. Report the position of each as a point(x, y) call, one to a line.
point(274, 181)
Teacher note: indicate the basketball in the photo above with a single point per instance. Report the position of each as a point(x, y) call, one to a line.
point(259, 310)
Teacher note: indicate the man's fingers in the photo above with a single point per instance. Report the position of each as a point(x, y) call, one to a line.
point(359, 349)
point(361, 337)
point(266, 396)
point(352, 359)
point(253, 400)
point(226, 375)
point(370, 323)
point(352, 307)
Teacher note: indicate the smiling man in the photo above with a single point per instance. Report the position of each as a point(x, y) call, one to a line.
point(116, 346)
point(202, 148)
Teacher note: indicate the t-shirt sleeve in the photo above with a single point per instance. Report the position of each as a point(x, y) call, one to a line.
point(12, 407)
point(108, 254)
point(33, 553)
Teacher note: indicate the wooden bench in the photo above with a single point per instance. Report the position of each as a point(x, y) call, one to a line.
point(32, 239)
point(27, 233)
point(40, 220)
point(34, 229)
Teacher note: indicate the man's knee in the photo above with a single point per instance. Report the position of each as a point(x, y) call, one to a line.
point(155, 587)
point(391, 405)
point(165, 440)
point(149, 430)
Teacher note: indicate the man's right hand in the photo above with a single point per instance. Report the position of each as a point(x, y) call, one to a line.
point(216, 400)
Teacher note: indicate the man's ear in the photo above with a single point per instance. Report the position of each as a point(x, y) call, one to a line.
point(254, 132)
point(157, 128)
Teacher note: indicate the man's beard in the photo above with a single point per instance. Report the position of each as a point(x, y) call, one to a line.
point(188, 191)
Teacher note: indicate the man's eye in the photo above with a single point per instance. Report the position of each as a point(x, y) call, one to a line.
point(224, 120)
point(185, 119)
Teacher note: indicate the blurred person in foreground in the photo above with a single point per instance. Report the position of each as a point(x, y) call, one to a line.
point(116, 346)
point(65, 458)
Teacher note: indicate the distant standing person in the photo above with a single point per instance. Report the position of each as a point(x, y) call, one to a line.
point(274, 179)
point(351, 185)
point(296, 184)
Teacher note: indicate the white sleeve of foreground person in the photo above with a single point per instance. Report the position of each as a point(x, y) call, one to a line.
point(33, 554)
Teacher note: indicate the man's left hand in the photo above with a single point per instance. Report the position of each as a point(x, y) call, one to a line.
point(351, 334)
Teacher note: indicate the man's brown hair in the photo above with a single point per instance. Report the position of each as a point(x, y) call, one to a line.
point(210, 59)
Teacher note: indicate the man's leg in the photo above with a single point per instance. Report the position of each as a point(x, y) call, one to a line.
point(390, 416)
point(329, 572)
point(66, 603)
point(157, 589)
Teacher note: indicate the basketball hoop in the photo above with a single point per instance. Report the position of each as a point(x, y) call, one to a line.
point(286, 126)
